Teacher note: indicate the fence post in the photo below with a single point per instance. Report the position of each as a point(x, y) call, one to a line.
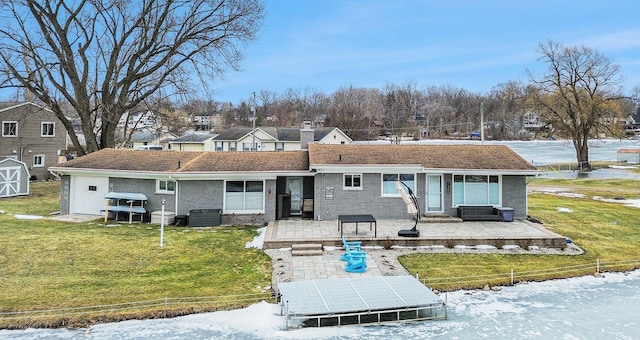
point(166, 297)
point(512, 276)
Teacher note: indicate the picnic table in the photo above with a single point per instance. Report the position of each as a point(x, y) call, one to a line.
point(357, 219)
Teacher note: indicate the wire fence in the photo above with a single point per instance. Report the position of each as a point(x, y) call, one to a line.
point(513, 277)
point(165, 303)
point(168, 303)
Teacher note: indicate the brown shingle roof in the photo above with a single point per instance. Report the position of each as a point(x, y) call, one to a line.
point(189, 161)
point(470, 157)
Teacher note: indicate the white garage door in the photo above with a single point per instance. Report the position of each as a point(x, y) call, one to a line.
point(9, 181)
point(87, 195)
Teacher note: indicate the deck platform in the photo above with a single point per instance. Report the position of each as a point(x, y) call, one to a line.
point(361, 300)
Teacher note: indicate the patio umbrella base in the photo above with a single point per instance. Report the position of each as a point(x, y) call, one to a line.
point(409, 233)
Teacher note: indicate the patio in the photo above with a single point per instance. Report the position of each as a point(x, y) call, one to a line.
point(285, 233)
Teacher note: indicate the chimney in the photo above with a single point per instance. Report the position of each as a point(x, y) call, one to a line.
point(306, 135)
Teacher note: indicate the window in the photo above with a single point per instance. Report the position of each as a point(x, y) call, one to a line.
point(9, 129)
point(352, 182)
point(233, 146)
point(244, 196)
point(476, 190)
point(279, 146)
point(165, 186)
point(48, 129)
point(247, 147)
point(219, 146)
point(38, 161)
point(389, 183)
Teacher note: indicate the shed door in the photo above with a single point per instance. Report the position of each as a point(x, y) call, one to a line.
point(9, 181)
point(88, 195)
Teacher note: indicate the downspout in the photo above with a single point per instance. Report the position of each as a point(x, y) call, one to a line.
point(175, 195)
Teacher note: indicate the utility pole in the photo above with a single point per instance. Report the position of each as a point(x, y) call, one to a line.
point(481, 121)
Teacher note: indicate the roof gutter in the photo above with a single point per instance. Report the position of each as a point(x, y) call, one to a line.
point(62, 171)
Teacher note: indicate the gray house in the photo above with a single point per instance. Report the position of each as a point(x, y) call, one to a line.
point(322, 182)
point(32, 134)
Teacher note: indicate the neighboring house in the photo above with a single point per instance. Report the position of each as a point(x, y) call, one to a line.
point(531, 122)
point(256, 187)
point(148, 137)
point(146, 119)
point(32, 134)
point(277, 139)
point(14, 178)
point(206, 121)
point(631, 156)
point(631, 125)
point(193, 142)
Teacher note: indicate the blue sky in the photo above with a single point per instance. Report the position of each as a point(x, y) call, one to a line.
point(325, 45)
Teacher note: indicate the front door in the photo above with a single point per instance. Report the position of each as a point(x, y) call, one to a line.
point(294, 188)
point(434, 194)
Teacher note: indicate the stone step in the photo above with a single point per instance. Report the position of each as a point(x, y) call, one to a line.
point(302, 246)
point(309, 252)
point(440, 219)
point(306, 249)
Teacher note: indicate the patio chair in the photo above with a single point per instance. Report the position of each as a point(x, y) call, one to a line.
point(350, 246)
point(307, 208)
point(357, 263)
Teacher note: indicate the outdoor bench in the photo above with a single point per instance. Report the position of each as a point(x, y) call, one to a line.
point(478, 213)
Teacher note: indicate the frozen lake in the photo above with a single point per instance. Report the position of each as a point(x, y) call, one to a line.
point(543, 152)
point(553, 152)
point(577, 308)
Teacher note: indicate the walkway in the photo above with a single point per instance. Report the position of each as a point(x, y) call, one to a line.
point(326, 266)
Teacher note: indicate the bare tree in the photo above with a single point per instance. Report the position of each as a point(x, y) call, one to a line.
point(578, 94)
point(508, 100)
point(105, 57)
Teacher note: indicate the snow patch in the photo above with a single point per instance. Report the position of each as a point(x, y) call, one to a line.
point(571, 195)
point(628, 202)
point(27, 217)
point(258, 241)
point(510, 247)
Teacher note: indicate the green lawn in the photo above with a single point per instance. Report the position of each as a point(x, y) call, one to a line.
point(608, 232)
point(49, 265)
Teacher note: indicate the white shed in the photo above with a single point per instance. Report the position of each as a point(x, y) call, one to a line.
point(631, 156)
point(14, 178)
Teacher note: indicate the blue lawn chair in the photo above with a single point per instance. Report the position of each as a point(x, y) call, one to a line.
point(350, 246)
point(355, 257)
point(357, 263)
